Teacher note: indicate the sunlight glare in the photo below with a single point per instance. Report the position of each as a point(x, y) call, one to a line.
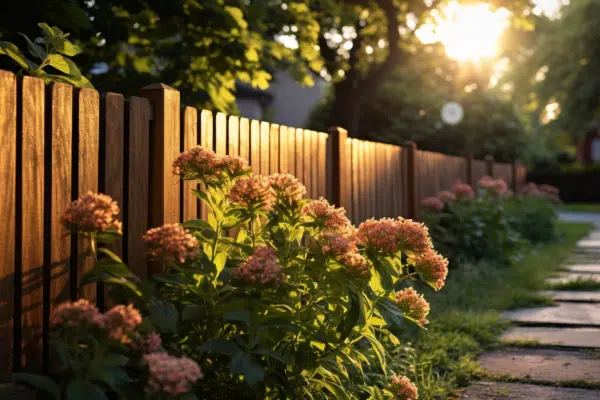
point(467, 32)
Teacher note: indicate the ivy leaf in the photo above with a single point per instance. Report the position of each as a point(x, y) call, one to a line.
point(34, 49)
point(84, 390)
point(38, 382)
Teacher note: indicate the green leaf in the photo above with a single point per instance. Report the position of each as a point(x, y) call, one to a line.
point(378, 349)
point(286, 359)
point(220, 346)
point(192, 311)
point(237, 15)
point(333, 388)
point(198, 224)
point(164, 315)
point(63, 46)
point(38, 382)
point(65, 65)
point(82, 81)
point(84, 390)
point(239, 316)
point(110, 254)
point(242, 235)
point(13, 52)
point(34, 49)
point(391, 314)
point(243, 363)
point(117, 270)
point(351, 317)
point(220, 260)
point(47, 30)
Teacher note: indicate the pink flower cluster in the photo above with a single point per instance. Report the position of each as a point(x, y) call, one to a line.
point(120, 322)
point(496, 186)
point(260, 268)
point(93, 212)
point(463, 190)
point(327, 216)
point(253, 192)
point(446, 196)
point(170, 243)
point(336, 244)
point(403, 388)
point(149, 343)
point(432, 204)
point(413, 305)
point(356, 265)
point(75, 313)
point(171, 375)
point(203, 164)
point(432, 267)
point(391, 235)
point(544, 190)
point(288, 190)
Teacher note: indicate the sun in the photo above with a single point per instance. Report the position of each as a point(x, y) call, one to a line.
point(469, 33)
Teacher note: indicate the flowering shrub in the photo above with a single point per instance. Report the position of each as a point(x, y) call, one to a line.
point(274, 296)
point(111, 353)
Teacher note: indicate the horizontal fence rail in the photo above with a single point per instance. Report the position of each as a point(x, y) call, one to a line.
point(58, 142)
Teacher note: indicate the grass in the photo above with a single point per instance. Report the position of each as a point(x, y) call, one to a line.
point(465, 318)
point(581, 207)
point(577, 284)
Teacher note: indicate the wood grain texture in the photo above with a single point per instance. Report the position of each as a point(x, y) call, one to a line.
point(264, 148)
point(314, 163)
point(355, 181)
point(88, 133)
point(245, 139)
point(138, 184)
point(291, 150)
point(363, 177)
point(113, 120)
point(60, 138)
point(284, 150)
point(206, 141)
point(8, 188)
point(221, 134)
point(307, 163)
point(274, 149)
point(233, 136)
point(329, 172)
point(322, 164)
point(189, 130)
point(299, 164)
point(165, 144)
point(32, 222)
point(255, 146)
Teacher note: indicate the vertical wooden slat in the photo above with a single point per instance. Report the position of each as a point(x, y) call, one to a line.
point(322, 165)
point(364, 198)
point(314, 163)
point(411, 180)
point(264, 148)
point(372, 179)
point(59, 173)
point(299, 164)
point(245, 138)
point(307, 163)
point(87, 175)
point(8, 187)
point(165, 144)
point(113, 122)
point(284, 150)
point(329, 157)
point(221, 134)
point(274, 149)
point(189, 130)
point(255, 146)
point(138, 148)
point(291, 132)
point(233, 136)
point(489, 165)
point(355, 167)
point(206, 141)
point(32, 221)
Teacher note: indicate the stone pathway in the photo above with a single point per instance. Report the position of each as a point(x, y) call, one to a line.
point(554, 352)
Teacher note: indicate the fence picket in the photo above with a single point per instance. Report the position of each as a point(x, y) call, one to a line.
point(189, 130)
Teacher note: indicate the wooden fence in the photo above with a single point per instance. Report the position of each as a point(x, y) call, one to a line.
point(58, 142)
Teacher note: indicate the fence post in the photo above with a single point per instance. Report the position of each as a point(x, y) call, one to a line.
point(412, 210)
point(469, 168)
point(489, 165)
point(340, 194)
point(164, 149)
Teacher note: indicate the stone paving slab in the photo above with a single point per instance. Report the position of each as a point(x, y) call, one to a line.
point(562, 314)
point(564, 337)
point(589, 243)
point(520, 391)
point(572, 295)
point(585, 268)
point(573, 277)
point(544, 365)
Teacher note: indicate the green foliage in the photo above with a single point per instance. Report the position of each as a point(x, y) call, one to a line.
point(53, 50)
point(470, 230)
point(577, 284)
point(533, 217)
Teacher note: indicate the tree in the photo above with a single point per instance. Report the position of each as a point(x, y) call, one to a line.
point(200, 47)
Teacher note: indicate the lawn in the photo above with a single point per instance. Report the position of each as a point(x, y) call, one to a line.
point(465, 317)
point(581, 207)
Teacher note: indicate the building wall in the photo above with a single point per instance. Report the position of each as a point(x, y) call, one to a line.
point(250, 108)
